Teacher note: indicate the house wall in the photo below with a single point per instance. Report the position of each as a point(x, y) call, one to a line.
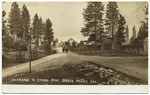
point(72, 42)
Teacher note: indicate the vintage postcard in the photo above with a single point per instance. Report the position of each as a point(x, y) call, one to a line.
point(93, 47)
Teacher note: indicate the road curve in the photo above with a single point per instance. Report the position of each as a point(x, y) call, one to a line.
point(134, 66)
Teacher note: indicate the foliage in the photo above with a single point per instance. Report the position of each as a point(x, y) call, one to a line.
point(111, 23)
point(112, 19)
point(133, 35)
point(3, 22)
point(127, 33)
point(143, 30)
point(15, 20)
point(49, 36)
point(8, 42)
point(93, 16)
point(120, 35)
point(19, 26)
point(38, 29)
point(21, 46)
point(81, 43)
point(142, 34)
point(92, 37)
point(25, 18)
point(4, 28)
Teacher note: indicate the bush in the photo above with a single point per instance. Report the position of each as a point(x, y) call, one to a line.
point(8, 42)
point(54, 51)
point(20, 46)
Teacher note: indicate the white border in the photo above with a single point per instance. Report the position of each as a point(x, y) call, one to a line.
point(84, 89)
point(70, 88)
point(72, 0)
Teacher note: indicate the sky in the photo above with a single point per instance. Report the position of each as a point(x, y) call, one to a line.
point(67, 18)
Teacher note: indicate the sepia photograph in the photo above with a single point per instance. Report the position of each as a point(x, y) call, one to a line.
point(75, 43)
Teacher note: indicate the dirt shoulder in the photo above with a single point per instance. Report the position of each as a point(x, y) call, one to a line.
point(134, 66)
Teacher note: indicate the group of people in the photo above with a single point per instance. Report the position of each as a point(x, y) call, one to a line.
point(65, 49)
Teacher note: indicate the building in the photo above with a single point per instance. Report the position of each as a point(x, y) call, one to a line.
point(72, 42)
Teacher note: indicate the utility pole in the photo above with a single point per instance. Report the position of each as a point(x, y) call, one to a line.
point(30, 57)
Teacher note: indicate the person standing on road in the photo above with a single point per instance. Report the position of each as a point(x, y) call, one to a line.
point(66, 49)
point(63, 49)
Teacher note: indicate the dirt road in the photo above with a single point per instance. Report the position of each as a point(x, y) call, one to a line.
point(134, 66)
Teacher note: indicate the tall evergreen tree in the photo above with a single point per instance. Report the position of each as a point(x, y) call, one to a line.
point(134, 31)
point(3, 27)
point(146, 18)
point(49, 36)
point(25, 18)
point(127, 34)
point(143, 30)
point(15, 20)
point(3, 23)
point(120, 35)
point(36, 30)
point(133, 35)
point(142, 34)
point(93, 16)
point(7, 40)
point(41, 26)
point(112, 14)
point(146, 13)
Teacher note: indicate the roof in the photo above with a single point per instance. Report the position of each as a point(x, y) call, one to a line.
point(72, 39)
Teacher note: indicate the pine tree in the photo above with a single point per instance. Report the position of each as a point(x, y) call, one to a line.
point(93, 16)
point(120, 35)
point(142, 34)
point(112, 18)
point(25, 18)
point(133, 35)
point(146, 22)
point(127, 34)
point(7, 40)
point(143, 30)
point(35, 26)
point(92, 37)
point(15, 20)
point(3, 27)
point(36, 30)
point(112, 14)
point(42, 26)
point(134, 31)
point(49, 36)
point(146, 13)
point(3, 23)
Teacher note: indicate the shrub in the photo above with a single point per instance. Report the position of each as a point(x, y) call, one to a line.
point(54, 51)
